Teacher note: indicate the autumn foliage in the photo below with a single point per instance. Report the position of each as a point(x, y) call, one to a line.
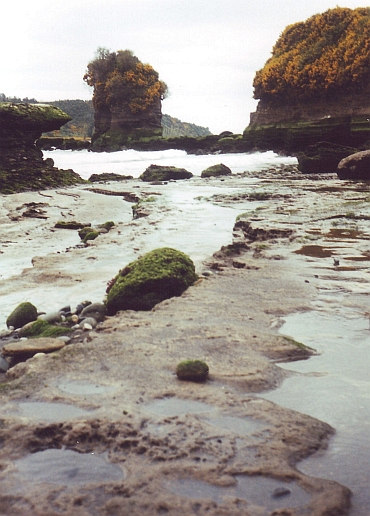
point(326, 55)
point(120, 79)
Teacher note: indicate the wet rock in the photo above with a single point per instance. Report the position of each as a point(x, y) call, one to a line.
point(356, 166)
point(88, 323)
point(51, 317)
point(70, 224)
point(162, 173)
point(158, 275)
point(192, 370)
point(95, 310)
point(216, 171)
point(21, 315)
point(108, 176)
point(323, 157)
point(32, 346)
point(81, 306)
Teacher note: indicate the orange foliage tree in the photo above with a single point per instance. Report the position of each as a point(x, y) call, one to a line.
point(326, 55)
point(119, 78)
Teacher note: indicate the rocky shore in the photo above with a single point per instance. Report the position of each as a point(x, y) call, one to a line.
point(104, 426)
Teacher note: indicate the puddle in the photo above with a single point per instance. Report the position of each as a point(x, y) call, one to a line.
point(265, 492)
point(364, 258)
point(345, 233)
point(84, 388)
point(236, 425)
point(48, 411)
point(67, 467)
point(177, 407)
point(338, 393)
point(316, 251)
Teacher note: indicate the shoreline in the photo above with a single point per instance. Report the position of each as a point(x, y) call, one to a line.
point(231, 320)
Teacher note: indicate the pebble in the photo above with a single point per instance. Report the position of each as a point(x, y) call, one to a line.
point(89, 320)
point(281, 491)
point(95, 310)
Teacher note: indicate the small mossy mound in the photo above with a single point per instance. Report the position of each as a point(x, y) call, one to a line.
point(21, 315)
point(69, 224)
point(158, 275)
point(84, 231)
point(91, 235)
point(42, 328)
point(107, 225)
point(107, 176)
point(192, 371)
point(216, 170)
point(162, 173)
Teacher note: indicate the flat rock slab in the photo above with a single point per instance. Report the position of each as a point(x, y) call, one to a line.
point(33, 346)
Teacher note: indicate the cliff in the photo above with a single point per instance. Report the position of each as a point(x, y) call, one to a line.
point(316, 85)
point(22, 166)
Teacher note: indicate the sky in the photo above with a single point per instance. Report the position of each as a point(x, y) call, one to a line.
point(206, 51)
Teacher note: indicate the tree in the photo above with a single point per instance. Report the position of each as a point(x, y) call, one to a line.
point(121, 79)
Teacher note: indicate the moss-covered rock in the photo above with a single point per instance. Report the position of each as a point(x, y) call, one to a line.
point(91, 235)
point(22, 167)
point(21, 315)
point(69, 224)
point(158, 275)
point(42, 328)
point(162, 173)
point(192, 370)
point(216, 170)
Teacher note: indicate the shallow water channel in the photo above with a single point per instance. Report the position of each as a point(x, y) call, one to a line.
point(334, 387)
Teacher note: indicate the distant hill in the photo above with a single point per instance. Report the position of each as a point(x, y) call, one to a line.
point(82, 123)
point(173, 128)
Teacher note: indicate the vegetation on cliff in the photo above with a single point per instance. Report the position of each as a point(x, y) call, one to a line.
point(328, 54)
point(120, 78)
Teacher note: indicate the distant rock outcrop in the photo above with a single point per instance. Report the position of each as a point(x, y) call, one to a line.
point(22, 166)
point(316, 85)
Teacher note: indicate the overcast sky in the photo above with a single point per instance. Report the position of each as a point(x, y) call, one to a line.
point(207, 51)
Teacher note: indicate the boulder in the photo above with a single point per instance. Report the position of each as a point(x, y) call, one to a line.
point(158, 275)
point(192, 370)
point(216, 170)
point(355, 166)
point(162, 173)
point(33, 346)
point(21, 315)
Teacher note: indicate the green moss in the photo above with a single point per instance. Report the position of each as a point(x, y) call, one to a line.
point(91, 235)
point(158, 275)
point(296, 343)
point(107, 225)
point(192, 370)
point(69, 224)
point(84, 231)
point(21, 315)
point(43, 329)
